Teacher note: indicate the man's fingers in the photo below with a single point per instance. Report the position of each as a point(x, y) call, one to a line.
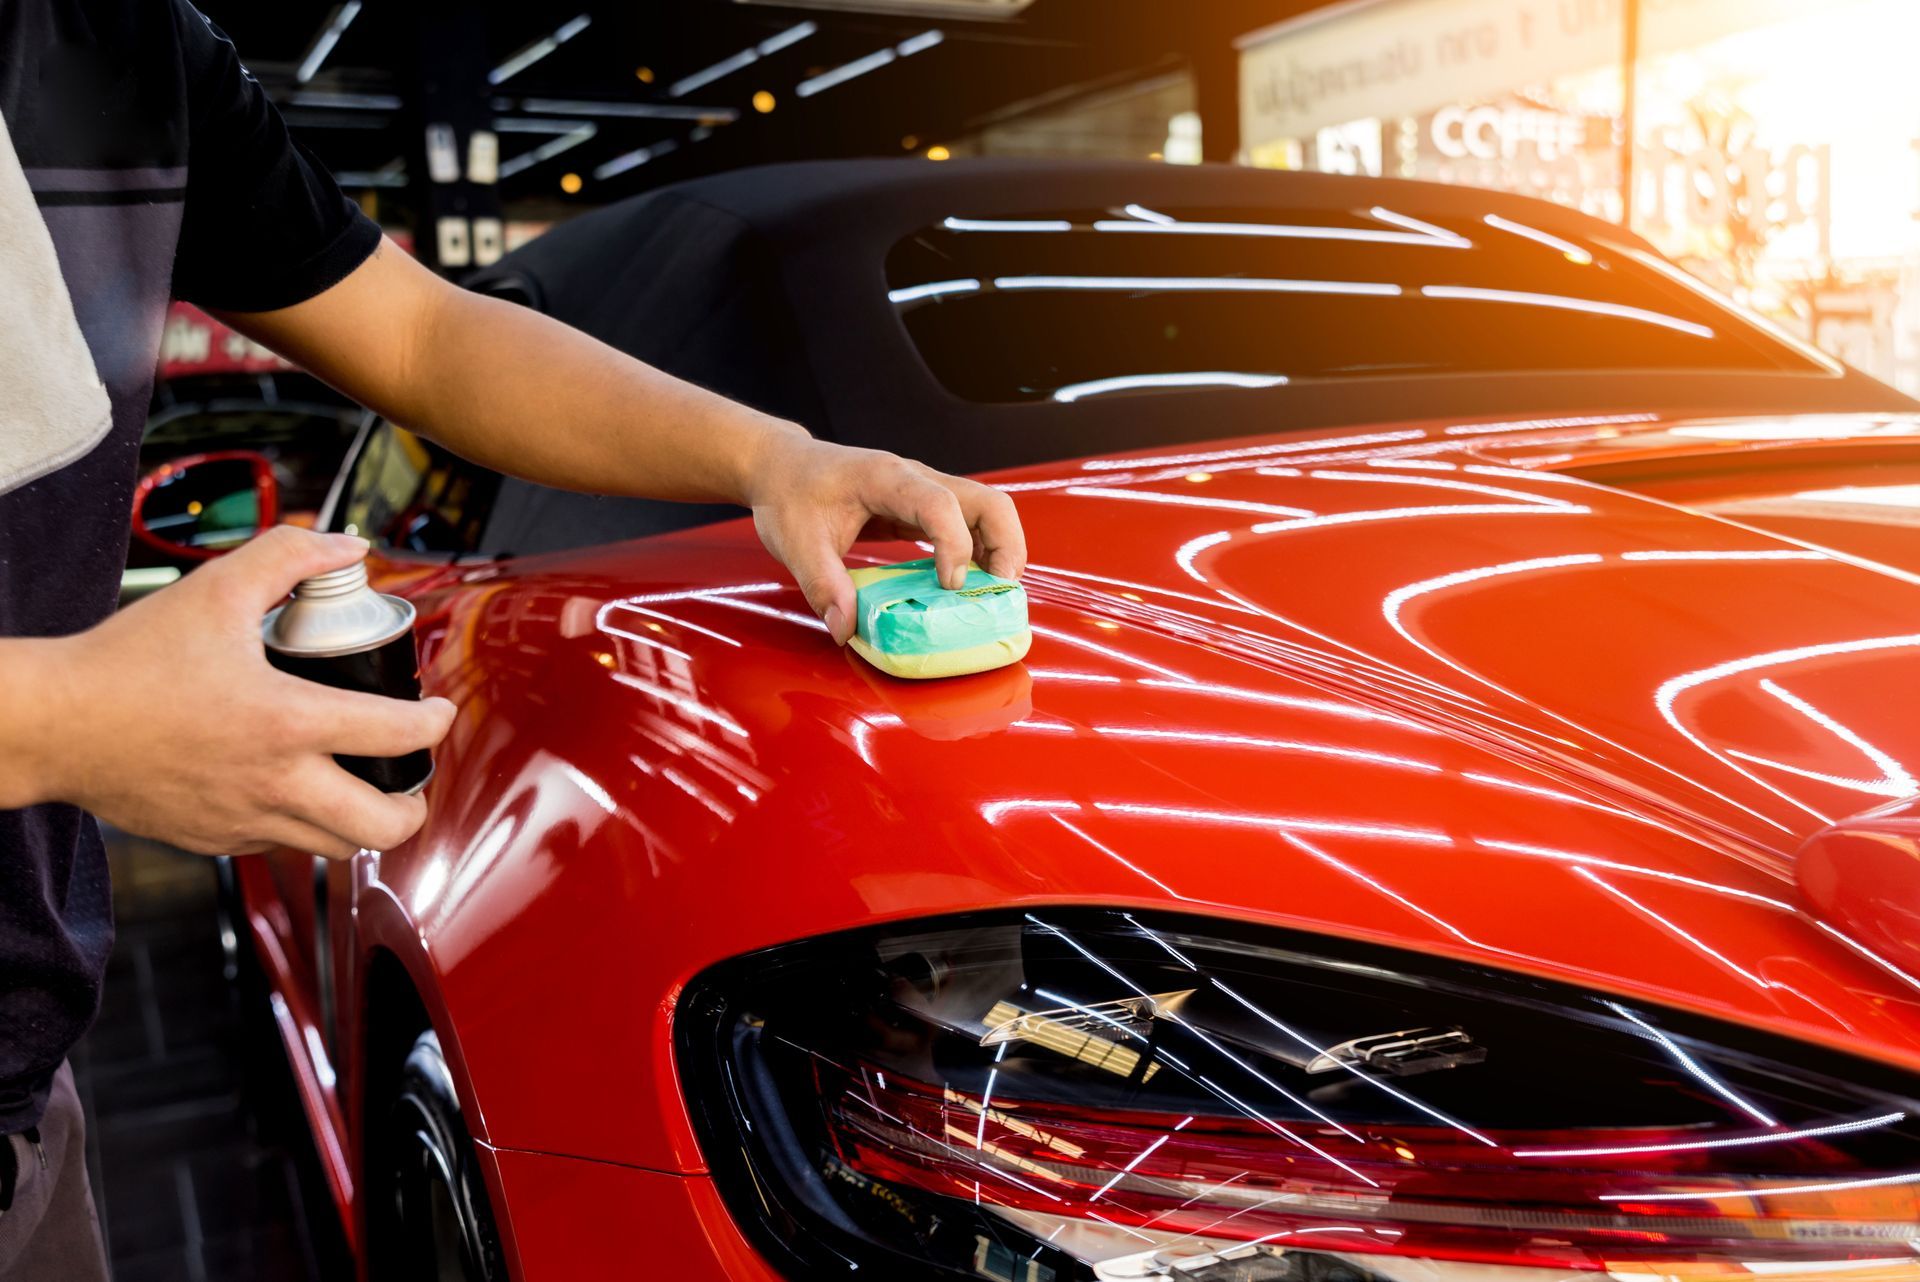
point(936, 510)
point(263, 571)
point(335, 802)
point(371, 725)
point(996, 528)
point(822, 577)
point(297, 834)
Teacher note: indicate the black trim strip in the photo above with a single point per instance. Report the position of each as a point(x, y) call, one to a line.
point(152, 196)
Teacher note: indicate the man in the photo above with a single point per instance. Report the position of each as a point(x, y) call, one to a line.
point(139, 159)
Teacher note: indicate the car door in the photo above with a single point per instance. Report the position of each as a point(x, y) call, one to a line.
point(422, 509)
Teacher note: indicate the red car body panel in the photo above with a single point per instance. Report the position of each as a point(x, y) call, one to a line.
point(1562, 697)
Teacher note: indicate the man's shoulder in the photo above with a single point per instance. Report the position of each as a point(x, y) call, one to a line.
point(94, 83)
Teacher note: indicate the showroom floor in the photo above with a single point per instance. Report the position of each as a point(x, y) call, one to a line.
point(200, 1166)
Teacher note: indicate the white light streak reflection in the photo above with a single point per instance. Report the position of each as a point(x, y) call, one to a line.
point(1200, 284)
point(1253, 451)
point(1214, 739)
point(1119, 858)
point(1566, 247)
point(1673, 928)
point(1894, 780)
point(1283, 231)
point(590, 786)
point(674, 698)
point(1268, 698)
point(1670, 691)
point(1006, 224)
point(1187, 378)
point(1791, 1190)
point(1365, 516)
point(1739, 1141)
point(1693, 1066)
point(932, 289)
point(1368, 1078)
point(1187, 500)
point(1561, 302)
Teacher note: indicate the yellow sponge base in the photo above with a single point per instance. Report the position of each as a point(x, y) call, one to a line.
point(947, 663)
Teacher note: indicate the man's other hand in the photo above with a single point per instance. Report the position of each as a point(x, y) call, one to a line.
point(812, 500)
point(170, 723)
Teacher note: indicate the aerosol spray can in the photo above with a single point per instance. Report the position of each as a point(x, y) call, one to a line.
point(341, 633)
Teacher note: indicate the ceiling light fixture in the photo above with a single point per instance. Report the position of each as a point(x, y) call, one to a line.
point(604, 109)
point(326, 38)
point(539, 49)
point(745, 58)
point(872, 62)
point(634, 159)
point(547, 150)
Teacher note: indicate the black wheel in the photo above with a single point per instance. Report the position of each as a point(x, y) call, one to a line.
point(432, 1220)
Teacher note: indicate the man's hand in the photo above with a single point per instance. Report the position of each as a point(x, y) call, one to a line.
point(811, 500)
point(167, 721)
point(521, 393)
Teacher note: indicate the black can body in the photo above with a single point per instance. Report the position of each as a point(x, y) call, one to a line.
point(391, 668)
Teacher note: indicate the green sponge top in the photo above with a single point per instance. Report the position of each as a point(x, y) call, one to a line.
point(902, 609)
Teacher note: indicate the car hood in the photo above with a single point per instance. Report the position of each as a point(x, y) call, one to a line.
point(1431, 686)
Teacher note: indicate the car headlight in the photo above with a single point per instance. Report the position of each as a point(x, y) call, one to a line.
point(1085, 1094)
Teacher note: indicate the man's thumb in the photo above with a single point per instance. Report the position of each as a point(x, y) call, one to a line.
point(268, 567)
point(829, 591)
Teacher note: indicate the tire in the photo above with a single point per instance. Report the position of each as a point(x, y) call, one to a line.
point(431, 1222)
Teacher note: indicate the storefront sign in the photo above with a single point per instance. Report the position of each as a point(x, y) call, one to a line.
point(193, 342)
point(1385, 58)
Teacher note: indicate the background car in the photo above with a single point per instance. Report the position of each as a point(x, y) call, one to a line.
point(232, 426)
point(1292, 912)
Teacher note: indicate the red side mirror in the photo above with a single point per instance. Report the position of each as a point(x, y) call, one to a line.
point(1862, 875)
point(197, 507)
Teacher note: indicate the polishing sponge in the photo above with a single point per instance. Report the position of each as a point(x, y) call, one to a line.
point(907, 625)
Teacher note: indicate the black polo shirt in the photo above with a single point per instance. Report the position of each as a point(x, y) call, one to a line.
point(161, 170)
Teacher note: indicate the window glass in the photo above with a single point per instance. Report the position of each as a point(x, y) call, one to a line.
point(1067, 305)
point(408, 493)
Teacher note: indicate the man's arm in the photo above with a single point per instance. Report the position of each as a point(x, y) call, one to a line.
point(521, 393)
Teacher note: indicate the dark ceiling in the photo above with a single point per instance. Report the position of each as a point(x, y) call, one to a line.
point(641, 93)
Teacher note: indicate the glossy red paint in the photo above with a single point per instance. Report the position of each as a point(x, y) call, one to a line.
point(1564, 697)
point(1863, 874)
point(266, 493)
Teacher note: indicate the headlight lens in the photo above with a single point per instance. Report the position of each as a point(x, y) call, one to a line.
point(1100, 1095)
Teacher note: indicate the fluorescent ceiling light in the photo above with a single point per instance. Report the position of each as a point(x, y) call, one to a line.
point(326, 38)
point(521, 125)
point(547, 150)
point(966, 10)
point(745, 58)
point(539, 49)
point(637, 110)
point(872, 62)
point(354, 101)
point(634, 159)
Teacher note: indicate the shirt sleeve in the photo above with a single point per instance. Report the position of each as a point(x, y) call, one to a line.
point(265, 226)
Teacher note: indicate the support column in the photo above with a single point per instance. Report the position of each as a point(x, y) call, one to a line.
point(452, 152)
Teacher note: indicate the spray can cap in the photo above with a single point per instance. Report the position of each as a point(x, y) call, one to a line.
point(336, 613)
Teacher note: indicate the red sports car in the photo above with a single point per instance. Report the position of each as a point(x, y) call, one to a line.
point(1357, 883)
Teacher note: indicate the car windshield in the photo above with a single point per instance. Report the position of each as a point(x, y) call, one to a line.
point(1067, 305)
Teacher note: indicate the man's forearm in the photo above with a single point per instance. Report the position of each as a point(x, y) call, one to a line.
point(520, 392)
point(31, 682)
point(515, 390)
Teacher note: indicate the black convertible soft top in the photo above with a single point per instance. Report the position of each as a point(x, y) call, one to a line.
point(770, 285)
